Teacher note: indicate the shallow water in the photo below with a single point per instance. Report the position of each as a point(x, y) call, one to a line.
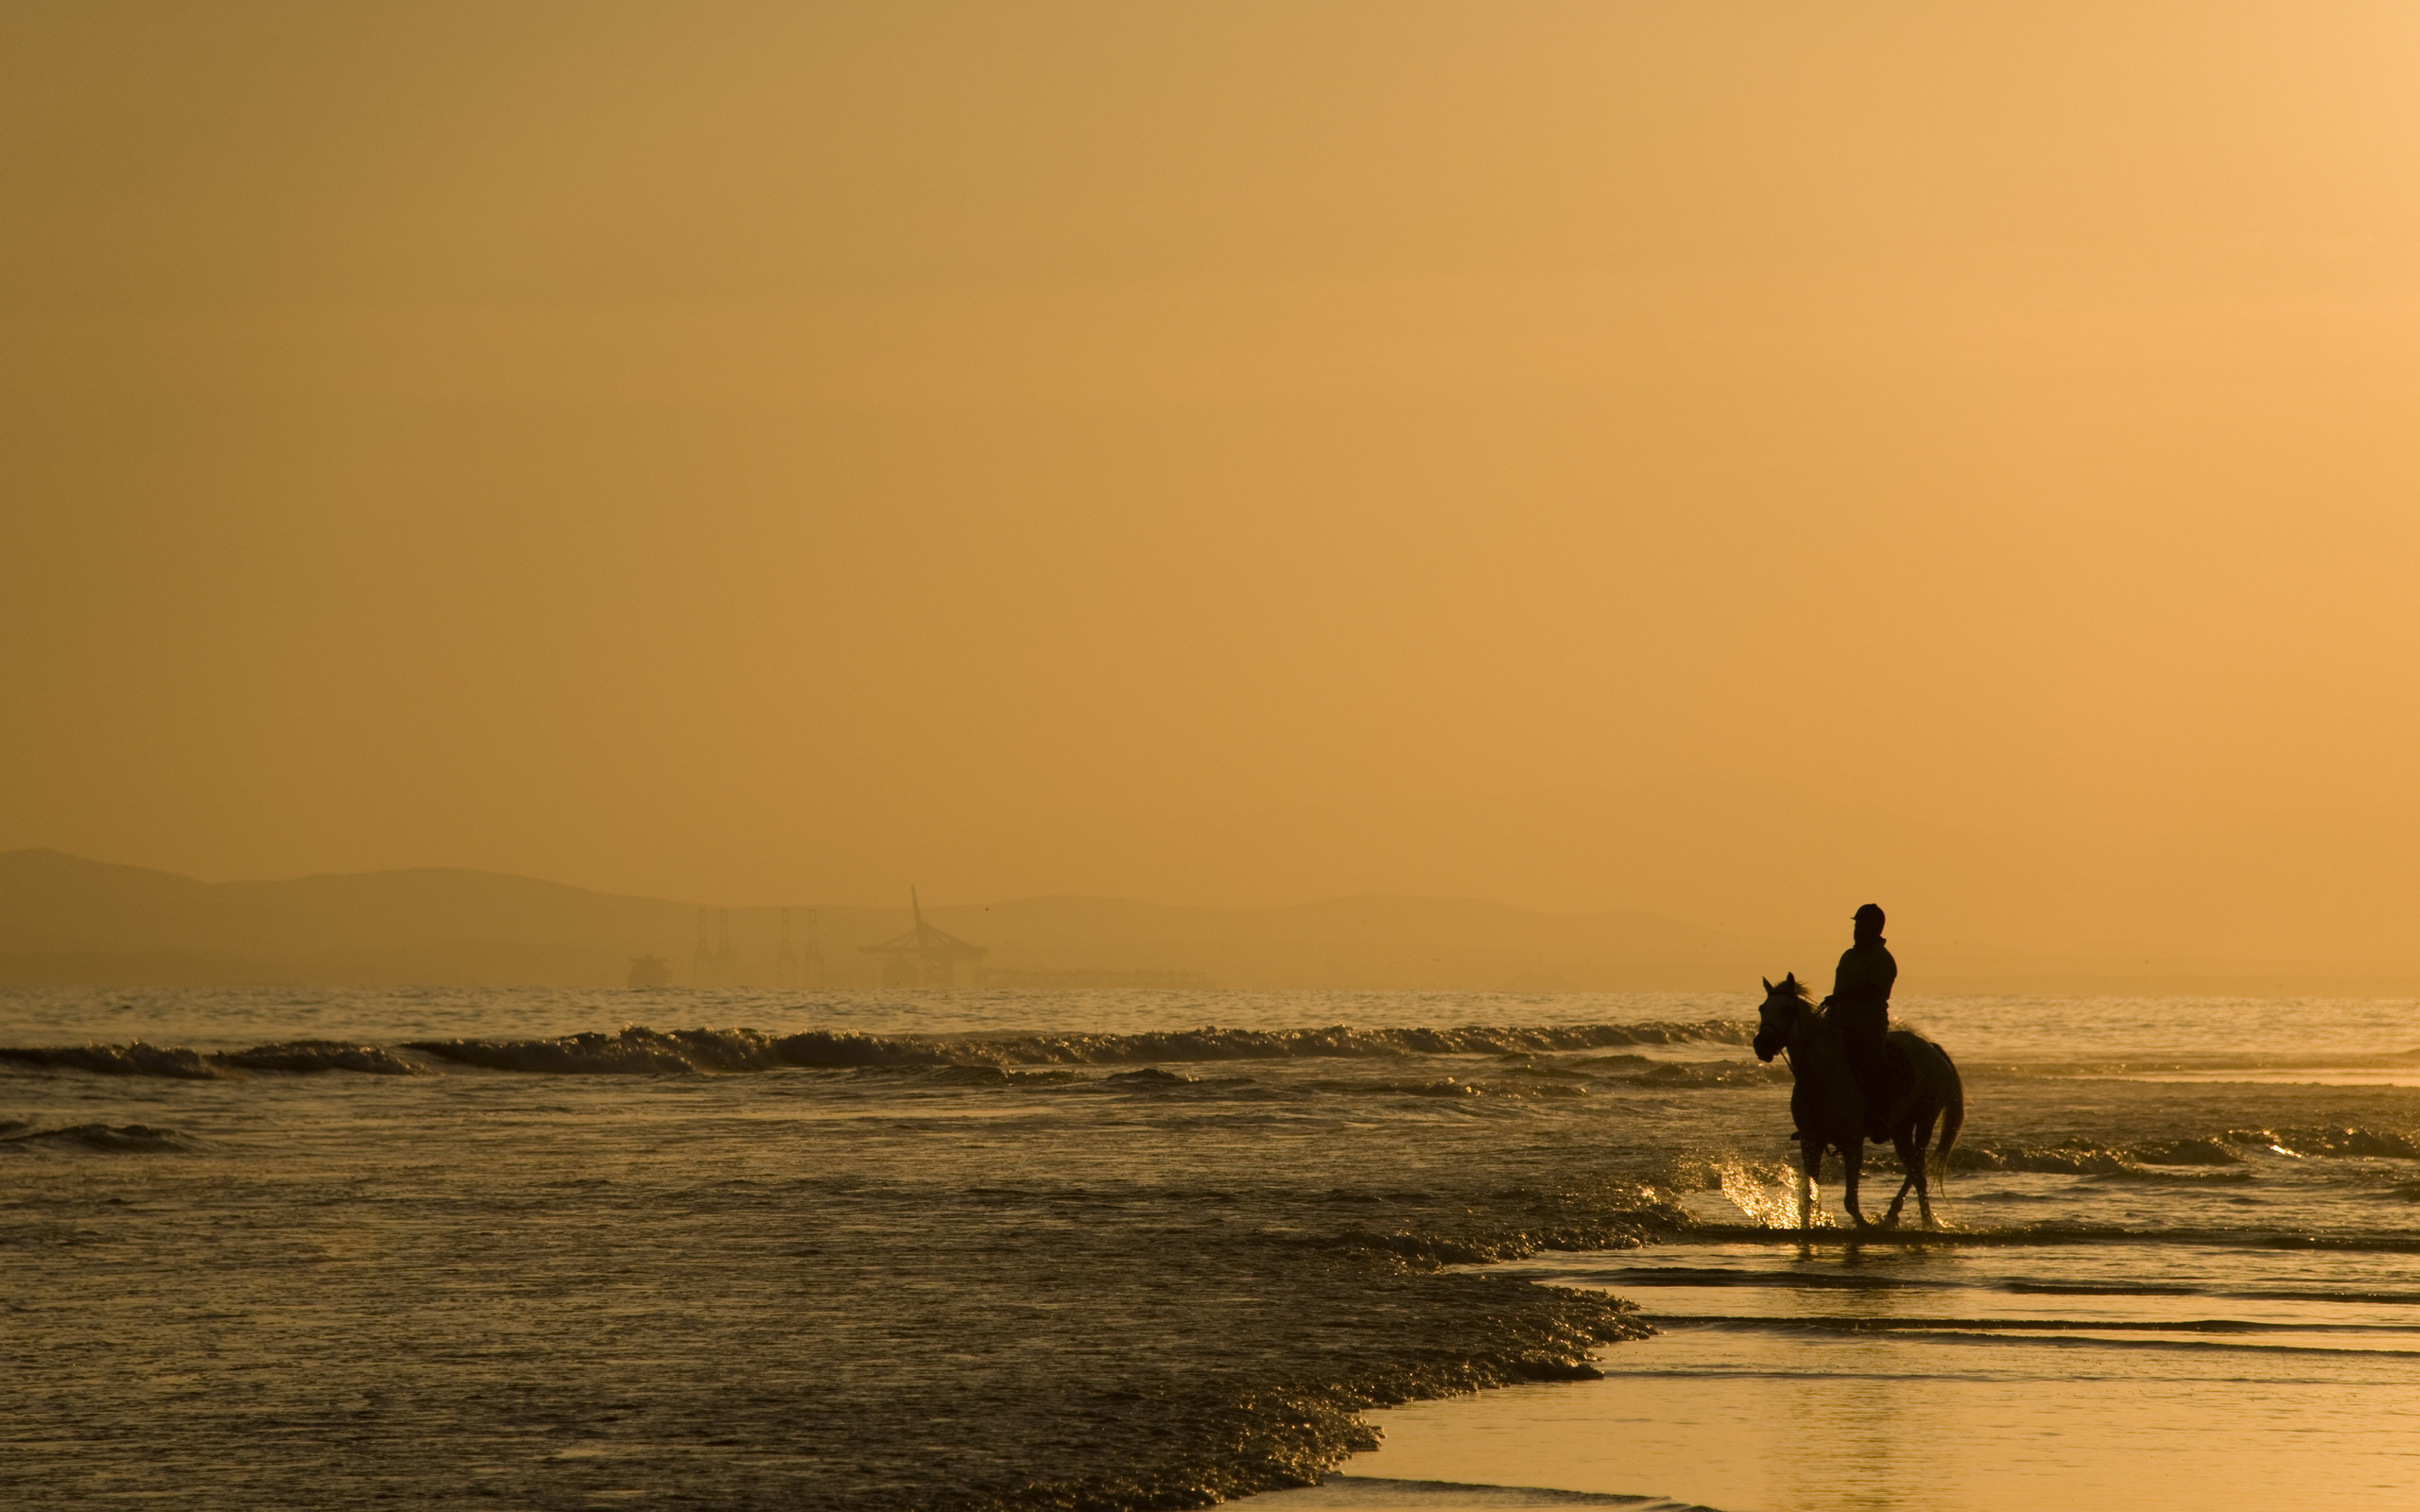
point(1071, 1249)
point(1992, 1377)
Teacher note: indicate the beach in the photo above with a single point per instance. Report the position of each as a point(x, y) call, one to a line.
point(1128, 1248)
point(1985, 1378)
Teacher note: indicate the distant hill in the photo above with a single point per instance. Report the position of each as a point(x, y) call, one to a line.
point(66, 921)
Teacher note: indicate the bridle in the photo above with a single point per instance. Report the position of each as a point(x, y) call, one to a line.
point(1779, 1038)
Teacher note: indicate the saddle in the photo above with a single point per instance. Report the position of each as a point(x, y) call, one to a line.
point(1898, 1081)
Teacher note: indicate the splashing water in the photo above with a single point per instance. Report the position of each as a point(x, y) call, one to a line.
point(1766, 1193)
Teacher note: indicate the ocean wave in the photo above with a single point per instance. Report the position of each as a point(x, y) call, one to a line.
point(126, 1138)
point(633, 1051)
point(1151, 1076)
point(2340, 1141)
point(2185, 1176)
point(641, 1051)
point(982, 1076)
point(2082, 1156)
point(319, 1054)
point(1436, 1087)
point(141, 1059)
point(2207, 1150)
point(1210, 1043)
point(1517, 1065)
point(135, 1059)
point(1711, 1074)
point(2212, 1157)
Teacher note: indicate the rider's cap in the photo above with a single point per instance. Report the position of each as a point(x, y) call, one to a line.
point(1866, 911)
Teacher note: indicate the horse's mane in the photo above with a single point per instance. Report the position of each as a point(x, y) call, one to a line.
point(1797, 988)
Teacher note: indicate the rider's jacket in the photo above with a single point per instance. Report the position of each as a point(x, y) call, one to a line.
point(1863, 985)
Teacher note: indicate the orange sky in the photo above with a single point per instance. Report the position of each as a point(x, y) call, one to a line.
point(1586, 455)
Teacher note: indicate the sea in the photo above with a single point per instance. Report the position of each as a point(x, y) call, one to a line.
point(273, 1248)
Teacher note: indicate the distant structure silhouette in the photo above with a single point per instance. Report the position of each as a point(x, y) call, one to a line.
point(701, 960)
point(924, 956)
point(650, 970)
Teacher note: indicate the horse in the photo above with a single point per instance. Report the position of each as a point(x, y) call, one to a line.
point(1830, 1110)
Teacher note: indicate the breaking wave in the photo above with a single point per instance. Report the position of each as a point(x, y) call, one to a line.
point(639, 1051)
point(141, 1059)
point(836, 1048)
point(136, 1059)
point(632, 1052)
point(2080, 1157)
point(128, 1139)
point(2341, 1140)
point(2210, 1157)
point(319, 1054)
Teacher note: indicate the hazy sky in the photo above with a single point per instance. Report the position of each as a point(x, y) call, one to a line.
point(1229, 453)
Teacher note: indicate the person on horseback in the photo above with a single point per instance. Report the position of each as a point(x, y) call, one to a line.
point(1861, 1005)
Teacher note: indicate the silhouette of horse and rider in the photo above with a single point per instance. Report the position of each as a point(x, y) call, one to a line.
point(1857, 1078)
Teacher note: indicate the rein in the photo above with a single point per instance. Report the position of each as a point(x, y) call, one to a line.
point(1794, 1029)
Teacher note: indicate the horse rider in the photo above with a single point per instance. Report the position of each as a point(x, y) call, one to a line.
point(1860, 1007)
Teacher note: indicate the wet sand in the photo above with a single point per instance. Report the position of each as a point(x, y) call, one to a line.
point(1367, 1493)
point(1957, 1383)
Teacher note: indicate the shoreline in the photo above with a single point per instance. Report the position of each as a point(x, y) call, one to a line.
point(1992, 1380)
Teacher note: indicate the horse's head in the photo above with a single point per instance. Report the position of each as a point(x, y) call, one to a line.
point(1778, 1015)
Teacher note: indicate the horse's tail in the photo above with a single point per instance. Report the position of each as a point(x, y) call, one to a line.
point(1953, 1118)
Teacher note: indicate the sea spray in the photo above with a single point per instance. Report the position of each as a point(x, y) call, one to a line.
point(1766, 1193)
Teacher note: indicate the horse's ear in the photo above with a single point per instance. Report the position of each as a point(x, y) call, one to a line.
point(1768, 981)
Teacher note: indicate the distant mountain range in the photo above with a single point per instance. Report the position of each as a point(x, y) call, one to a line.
point(66, 921)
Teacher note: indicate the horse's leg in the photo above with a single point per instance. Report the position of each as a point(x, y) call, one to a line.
point(1916, 1172)
point(1911, 1160)
point(1810, 1160)
point(1852, 1157)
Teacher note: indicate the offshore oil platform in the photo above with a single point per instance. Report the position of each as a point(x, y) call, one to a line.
point(925, 956)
